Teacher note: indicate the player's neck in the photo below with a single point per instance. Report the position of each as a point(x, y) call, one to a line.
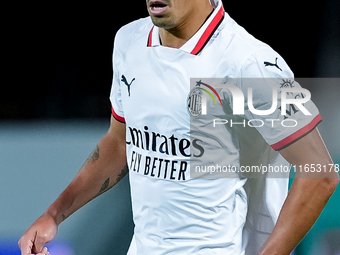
point(178, 36)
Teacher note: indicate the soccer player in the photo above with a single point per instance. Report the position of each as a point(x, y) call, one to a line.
point(152, 104)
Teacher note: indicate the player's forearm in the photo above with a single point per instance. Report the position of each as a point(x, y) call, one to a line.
point(105, 166)
point(307, 197)
point(305, 202)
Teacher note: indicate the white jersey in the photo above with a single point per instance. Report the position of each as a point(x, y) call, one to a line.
point(174, 211)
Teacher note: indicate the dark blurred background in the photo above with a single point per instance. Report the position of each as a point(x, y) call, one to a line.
point(54, 108)
point(60, 65)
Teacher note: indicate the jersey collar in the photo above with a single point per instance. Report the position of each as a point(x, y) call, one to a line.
point(197, 42)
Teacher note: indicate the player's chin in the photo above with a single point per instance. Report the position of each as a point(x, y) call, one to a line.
point(163, 21)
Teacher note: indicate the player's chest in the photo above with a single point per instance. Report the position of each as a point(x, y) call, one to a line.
point(147, 88)
point(158, 81)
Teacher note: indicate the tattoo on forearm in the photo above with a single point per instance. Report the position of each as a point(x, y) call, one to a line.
point(106, 184)
point(63, 217)
point(123, 172)
point(104, 187)
point(94, 154)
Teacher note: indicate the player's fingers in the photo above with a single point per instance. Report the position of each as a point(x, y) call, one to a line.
point(44, 251)
point(39, 243)
point(25, 246)
point(26, 250)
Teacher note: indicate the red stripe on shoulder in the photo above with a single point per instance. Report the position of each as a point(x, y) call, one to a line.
point(298, 134)
point(116, 116)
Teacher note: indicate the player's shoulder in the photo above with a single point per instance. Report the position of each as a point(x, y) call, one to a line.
point(250, 51)
point(266, 63)
point(238, 40)
point(132, 32)
point(263, 61)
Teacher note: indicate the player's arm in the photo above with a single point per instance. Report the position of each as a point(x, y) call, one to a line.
point(307, 197)
point(105, 167)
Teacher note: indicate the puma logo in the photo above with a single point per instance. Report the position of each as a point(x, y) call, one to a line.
point(126, 83)
point(271, 64)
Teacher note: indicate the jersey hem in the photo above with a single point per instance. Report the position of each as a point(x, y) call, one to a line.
point(298, 134)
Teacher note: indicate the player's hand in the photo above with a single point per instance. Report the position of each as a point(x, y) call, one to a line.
point(44, 252)
point(37, 235)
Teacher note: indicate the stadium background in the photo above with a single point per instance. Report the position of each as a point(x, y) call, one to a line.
point(54, 108)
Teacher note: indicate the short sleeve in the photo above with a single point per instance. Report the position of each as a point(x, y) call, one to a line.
point(265, 73)
point(115, 96)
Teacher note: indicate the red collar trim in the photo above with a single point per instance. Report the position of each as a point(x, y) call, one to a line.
point(207, 34)
point(150, 37)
